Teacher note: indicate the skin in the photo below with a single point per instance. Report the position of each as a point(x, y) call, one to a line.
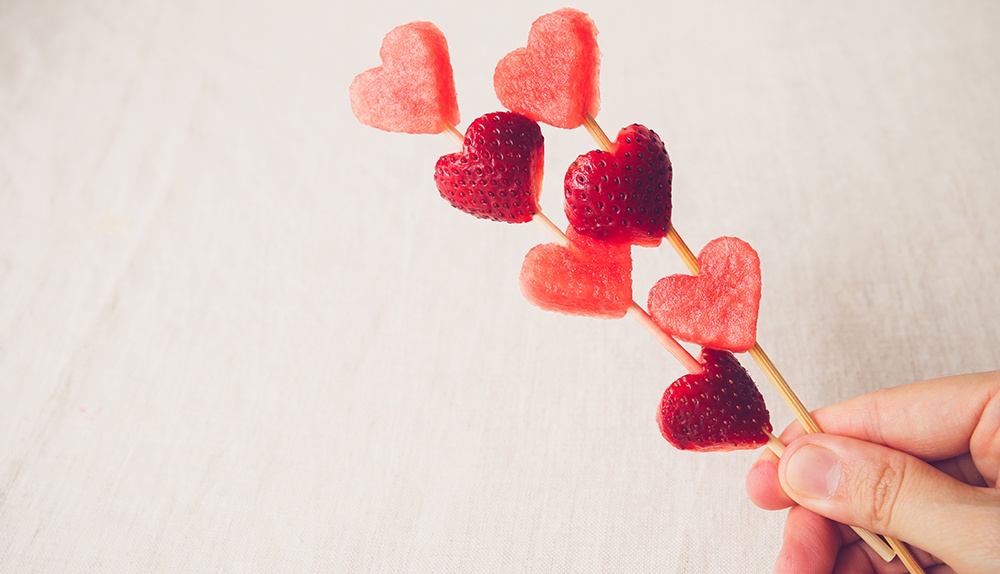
point(917, 462)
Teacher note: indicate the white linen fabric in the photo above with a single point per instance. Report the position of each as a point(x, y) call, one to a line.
point(241, 332)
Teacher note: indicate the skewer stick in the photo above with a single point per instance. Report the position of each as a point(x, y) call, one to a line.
point(905, 556)
point(596, 132)
point(668, 342)
point(772, 373)
point(454, 133)
point(635, 310)
point(554, 232)
point(774, 444)
point(685, 253)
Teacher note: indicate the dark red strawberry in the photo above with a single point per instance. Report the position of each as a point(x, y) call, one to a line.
point(498, 173)
point(622, 195)
point(719, 409)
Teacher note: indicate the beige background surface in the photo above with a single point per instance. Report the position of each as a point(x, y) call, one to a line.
point(240, 332)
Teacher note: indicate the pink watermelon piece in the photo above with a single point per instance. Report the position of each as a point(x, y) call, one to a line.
point(413, 91)
point(717, 308)
point(555, 78)
point(589, 277)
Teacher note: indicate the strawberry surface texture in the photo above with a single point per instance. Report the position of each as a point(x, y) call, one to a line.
point(622, 195)
point(413, 91)
point(719, 409)
point(498, 173)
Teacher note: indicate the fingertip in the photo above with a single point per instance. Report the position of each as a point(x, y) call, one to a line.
point(811, 543)
point(793, 431)
point(763, 486)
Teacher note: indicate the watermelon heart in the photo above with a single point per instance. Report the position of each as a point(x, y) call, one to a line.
point(413, 91)
point(587, 277)
point(554, 79)
point(718, 409)
point(718, 307)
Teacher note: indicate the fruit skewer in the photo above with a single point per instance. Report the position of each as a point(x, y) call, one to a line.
point(895, 548)
point(680, 353)
point(413, 92)
point(670, 344)
point(554, 79)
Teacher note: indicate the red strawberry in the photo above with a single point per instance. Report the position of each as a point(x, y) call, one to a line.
point(719, 409)
point(622, 195)
point(498, 173)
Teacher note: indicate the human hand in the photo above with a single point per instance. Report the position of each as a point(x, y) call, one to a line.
point(917, 462)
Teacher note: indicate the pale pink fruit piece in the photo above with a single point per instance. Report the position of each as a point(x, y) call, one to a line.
point(718, 307)
point(555, 78)
point(413, 91)
point(589, 277)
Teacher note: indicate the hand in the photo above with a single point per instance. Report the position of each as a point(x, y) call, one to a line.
point(917, 462)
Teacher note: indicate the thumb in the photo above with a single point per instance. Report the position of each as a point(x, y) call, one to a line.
point(890, 492)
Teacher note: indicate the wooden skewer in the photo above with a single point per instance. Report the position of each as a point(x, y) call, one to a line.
point(677, 350)
point(774, 444)
point(596, 132)
point(905, 556)
point(554, 232)
point(668, 342)
point(454, 133)
point(772, 373)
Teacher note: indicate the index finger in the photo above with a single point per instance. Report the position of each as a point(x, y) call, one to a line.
point(933, 420)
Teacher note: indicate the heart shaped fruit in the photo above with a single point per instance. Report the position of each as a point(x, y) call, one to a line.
point(413, 91)
point(622, 195)
point(555, 78)
point(718, 307)
point(719, 409)
point(587, 277)
point(498, 173)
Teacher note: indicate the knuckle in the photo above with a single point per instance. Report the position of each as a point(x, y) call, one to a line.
point(879, 493)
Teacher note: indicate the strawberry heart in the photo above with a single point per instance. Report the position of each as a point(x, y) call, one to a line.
point(555, 78)
point(413, 91)
point(587, 277)
point(718, 307)
point(622, 195)
point(498, 173)
point(718, 409)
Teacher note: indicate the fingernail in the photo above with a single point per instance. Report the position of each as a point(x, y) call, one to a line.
point(813, 472)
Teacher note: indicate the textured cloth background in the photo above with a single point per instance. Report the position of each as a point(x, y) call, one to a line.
point(240, 332)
